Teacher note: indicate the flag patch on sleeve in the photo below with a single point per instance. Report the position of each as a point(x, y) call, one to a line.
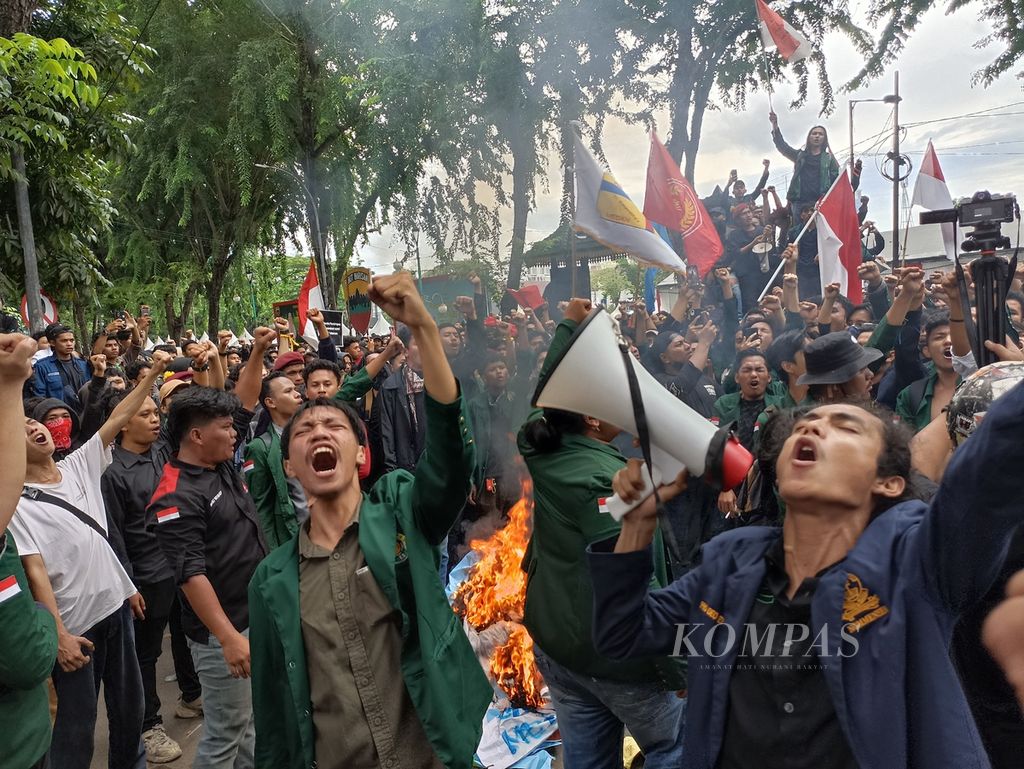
point(9, 588)
point(602, 504)
point(170, 514)
point(248, 466)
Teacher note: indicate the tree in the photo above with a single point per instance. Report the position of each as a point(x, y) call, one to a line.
point(193, 204)
point(52, 111)
point(355, 98)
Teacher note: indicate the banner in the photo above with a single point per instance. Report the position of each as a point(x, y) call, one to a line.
point(356, 285)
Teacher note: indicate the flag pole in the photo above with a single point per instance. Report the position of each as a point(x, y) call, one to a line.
point(764, 59)
point(795, 242)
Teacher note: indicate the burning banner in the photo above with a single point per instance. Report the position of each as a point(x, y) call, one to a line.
point(490, 598)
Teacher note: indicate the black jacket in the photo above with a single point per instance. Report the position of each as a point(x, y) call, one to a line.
point(402, 438)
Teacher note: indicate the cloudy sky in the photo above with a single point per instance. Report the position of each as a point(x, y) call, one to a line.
point(936, 68)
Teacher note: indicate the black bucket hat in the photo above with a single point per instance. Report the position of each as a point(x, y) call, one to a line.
point(836, 358)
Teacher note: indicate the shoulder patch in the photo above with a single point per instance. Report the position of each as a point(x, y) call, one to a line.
point(168, 482)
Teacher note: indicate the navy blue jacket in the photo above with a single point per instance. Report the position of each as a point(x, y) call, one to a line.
point(47, 382)
point(898, 697)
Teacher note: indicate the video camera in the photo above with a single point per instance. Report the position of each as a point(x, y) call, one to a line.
point(983, 213)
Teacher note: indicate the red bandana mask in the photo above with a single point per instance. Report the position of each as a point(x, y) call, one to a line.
point(60, 431)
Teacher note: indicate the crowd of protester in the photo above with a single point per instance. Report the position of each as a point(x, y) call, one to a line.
point(290, 515)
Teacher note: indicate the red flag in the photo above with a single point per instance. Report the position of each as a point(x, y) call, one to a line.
point(528, 296)
point(839, 248)
point(670, 201)
point(778, 33)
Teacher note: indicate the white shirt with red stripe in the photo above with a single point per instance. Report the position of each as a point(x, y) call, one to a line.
point(88, 581)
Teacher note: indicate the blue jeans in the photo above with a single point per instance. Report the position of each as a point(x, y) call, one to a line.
point(114, 665)
point(592, 712)
point(229, 737)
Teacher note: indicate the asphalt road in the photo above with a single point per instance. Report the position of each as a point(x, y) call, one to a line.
point(186, 732)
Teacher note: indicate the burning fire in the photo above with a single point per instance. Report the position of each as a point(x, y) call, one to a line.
point(495, 591)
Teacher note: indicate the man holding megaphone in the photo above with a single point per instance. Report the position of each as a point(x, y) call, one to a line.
point(825, 643)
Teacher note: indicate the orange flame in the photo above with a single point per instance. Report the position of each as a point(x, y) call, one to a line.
point(495, 591)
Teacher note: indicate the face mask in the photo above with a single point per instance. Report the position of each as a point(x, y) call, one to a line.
point(60, 431)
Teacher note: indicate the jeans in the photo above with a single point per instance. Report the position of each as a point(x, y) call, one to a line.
point(592, 711)
point(149, 639)
point(229, 737)
point(184, 669)
point(114, 664)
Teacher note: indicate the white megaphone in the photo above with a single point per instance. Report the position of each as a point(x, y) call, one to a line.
point(589, 377)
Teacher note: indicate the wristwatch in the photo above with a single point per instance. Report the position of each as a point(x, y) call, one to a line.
point(193, 366)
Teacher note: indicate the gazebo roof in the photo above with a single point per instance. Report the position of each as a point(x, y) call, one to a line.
point(556, 247)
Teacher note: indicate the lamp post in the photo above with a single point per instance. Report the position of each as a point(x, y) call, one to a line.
point(252, 293)
point(321, 267)
point(893, 99)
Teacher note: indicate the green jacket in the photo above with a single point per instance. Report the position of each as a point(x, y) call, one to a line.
point(567, 486)
point(914, 403)
point(401, 521)
point(354, 387)
point(727, 408)
point(263, 469)
point(28, 637)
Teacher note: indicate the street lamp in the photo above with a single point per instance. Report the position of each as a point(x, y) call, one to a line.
point(325, 276)
point(890, 99)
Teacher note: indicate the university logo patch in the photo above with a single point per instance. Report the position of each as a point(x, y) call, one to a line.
point(860, 606)
point(400, 551)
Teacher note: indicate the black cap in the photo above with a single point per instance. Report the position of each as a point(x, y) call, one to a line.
point(835, 359)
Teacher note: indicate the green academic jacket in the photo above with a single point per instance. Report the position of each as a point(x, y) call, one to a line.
point(28, 637)
point(727, 408)
point(263, 469)
point(401, 521)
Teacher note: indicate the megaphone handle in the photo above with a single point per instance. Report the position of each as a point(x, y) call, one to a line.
point(617, 508)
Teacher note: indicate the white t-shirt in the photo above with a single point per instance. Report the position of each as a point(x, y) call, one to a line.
point(88, 581)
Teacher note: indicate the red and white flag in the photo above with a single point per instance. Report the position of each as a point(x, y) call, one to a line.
point(839, 248)
point(778, 33)
point(931, 193)
point(170, 514)
point(248, 466)
point(9, 588)
point(310, 297)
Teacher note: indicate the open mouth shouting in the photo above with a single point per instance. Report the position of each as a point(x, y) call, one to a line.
point(324, 460)
point(805, 453)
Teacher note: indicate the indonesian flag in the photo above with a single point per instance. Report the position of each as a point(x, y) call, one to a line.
point(9, 588)
point(931, 193)
point(248, 466)
point(310, 297)
point(839, 248)
point(671, 201)
point(778, 33)
point(170, 514)
point(602, 504)
point(607, 214)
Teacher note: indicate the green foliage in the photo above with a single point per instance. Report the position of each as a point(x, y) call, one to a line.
point(612, 279)
point(61, 99)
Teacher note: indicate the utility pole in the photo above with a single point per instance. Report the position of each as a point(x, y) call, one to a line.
point(896, 172)
point(28, 242)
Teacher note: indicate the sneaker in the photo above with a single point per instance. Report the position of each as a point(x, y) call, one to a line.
point(160, 748)
point(193, 709)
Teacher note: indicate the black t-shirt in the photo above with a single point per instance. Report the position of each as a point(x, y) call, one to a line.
point(810, 179)
point(749, 411)
point(781, 714)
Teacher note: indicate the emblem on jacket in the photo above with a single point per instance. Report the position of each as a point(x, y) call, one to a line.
point(860, 606)
point(400, 553)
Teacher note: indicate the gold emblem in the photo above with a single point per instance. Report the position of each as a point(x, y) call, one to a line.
point(860, 606)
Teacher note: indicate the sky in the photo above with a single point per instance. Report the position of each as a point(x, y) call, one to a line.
point(936, 69)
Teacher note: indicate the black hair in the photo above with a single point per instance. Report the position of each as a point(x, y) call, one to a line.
point(858, 307)
point(742, 355)
point(136, 366)
point(265, 391)
point(186, 342)
point(196, 407)
point(845, 303)
point(783, 349)
point(447, 324)
point(170, 349)
point(934, 321)
point(351, 340)
point(488, 359)
point(353, 419)
point(37, 335)
point(545, 434)
point(824, 130)
point(100, 333)
point(1015, 296)
point(115, 371)
point(322, 364)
